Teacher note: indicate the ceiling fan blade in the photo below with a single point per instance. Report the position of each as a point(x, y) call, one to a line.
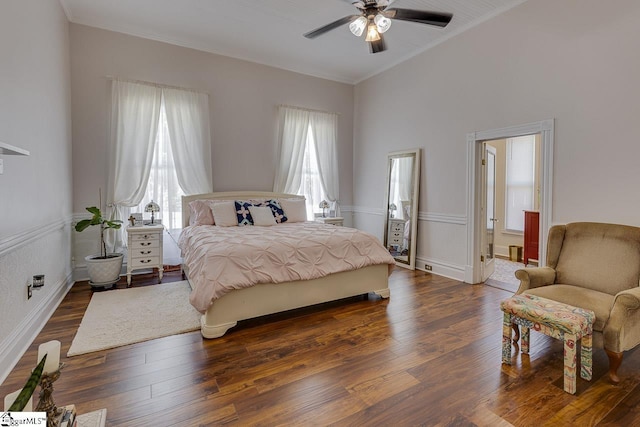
point(335, 24)
point(420, 16)
point(378, 45)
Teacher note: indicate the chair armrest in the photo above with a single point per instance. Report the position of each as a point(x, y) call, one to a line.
point(628, 299)
point(622, 330)
point(535, 277)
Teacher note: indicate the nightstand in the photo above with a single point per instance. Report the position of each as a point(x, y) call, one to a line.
point(336, 220)
point(145, 249)
point(396, 233)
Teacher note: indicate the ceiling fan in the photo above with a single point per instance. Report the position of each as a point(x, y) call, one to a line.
point(375, 17)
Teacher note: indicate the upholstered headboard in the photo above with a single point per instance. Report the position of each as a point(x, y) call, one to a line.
point(231, 195)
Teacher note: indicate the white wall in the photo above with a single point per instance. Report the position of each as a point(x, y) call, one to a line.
point(243, 98)
point(35, 191)
point(573, 61)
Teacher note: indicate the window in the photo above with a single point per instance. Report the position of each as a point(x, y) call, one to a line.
point(520, 180)
point(308, 160)
point(160, 142)
point(163, 187)
point(311, 186)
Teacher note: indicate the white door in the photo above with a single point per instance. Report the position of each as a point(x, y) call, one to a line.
point(488, 210)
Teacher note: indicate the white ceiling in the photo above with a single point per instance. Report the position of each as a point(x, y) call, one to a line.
point(270, 31)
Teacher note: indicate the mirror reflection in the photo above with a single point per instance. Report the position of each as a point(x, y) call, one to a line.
point(401, 203)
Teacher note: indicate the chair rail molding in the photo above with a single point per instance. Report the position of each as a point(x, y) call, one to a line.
point(16, 241)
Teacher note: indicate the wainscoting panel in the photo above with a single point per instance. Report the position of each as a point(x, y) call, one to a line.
point(441, 239)
point(42, 250)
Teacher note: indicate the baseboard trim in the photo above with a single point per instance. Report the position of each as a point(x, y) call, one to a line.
point(18, 342)
point(451, 271)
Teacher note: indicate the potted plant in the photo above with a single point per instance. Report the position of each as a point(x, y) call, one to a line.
point(104, 269)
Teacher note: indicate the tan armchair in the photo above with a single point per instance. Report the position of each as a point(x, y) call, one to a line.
point(594, 266)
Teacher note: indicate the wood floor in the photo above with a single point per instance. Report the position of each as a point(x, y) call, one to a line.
point(430, 355)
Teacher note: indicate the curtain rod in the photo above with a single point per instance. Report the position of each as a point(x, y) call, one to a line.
point(308, 109)
point(156, 84)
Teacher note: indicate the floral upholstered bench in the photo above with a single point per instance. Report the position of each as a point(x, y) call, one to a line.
point(557, 320)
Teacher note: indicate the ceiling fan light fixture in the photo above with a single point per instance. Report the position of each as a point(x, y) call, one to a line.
point(357, 26)
point(372, 33)
point(382, 22)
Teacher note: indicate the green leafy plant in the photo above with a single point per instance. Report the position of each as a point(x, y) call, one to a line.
point(104, 224)
point(28, 389)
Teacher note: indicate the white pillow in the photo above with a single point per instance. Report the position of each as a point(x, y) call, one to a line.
point(294, 209)
point(224, 213)
point(262, 216)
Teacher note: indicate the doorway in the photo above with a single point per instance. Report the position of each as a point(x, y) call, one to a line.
point(479, 264)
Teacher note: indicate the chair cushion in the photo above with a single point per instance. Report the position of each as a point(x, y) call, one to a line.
point(601, 257)
point(599, 302)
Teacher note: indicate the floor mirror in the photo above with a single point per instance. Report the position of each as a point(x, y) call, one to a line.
point(401, 201)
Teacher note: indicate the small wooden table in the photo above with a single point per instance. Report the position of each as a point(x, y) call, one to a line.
point(562, 321)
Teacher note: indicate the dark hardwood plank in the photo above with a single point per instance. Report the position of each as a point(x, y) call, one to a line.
point(429, 355)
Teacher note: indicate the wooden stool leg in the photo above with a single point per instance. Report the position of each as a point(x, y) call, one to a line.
point(524, 341)
point(570, 363)
point(506, 338)
point(586, 357)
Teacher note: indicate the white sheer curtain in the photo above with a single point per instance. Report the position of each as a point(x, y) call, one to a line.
point(188, 124)
point(138, 112)
point(301, 130)
point(135, 111)
point(163, 187)
point(293, 131)
point(324, 127)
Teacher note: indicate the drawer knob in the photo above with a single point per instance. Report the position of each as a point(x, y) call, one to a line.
point(145, 252)
point(145, 243)
point(145, 261)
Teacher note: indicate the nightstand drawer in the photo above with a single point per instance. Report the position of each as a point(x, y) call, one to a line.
point(395, 226)
point(395, 239)
point(149, 261)
point(144, 252)
point(145, 236)
point(142, 244)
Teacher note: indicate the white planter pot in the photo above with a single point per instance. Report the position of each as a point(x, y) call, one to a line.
point(104, 273)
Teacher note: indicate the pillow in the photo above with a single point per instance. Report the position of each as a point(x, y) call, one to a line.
point(277, 210)
point(243, 213)
point(294, 209)
point(262, 216)
point(224, 213)
point(200, 213)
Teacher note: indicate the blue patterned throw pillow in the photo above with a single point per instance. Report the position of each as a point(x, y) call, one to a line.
point(277, 210)
point(242, 211)
point(244, 216)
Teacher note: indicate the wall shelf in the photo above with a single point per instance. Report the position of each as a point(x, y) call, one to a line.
point(10, 150)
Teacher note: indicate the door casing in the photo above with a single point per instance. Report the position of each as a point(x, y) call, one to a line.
point(473, 268)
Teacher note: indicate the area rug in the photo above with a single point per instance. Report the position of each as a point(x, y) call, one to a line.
point(127, 316)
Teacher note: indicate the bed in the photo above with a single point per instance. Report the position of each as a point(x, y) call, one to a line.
point(224, 309)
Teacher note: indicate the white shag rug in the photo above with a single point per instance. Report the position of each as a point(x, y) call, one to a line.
point(126, 316)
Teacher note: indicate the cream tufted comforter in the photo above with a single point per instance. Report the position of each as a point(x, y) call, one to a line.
point(220, 259)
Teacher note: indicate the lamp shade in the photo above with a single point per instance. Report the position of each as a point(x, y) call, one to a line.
point(152, 207)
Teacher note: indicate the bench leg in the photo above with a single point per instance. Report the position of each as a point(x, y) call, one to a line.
point(570, 363)
point(506, 338)
point(524, 342)
point(586, 357)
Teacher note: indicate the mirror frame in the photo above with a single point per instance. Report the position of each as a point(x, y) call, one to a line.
point(416, 154)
